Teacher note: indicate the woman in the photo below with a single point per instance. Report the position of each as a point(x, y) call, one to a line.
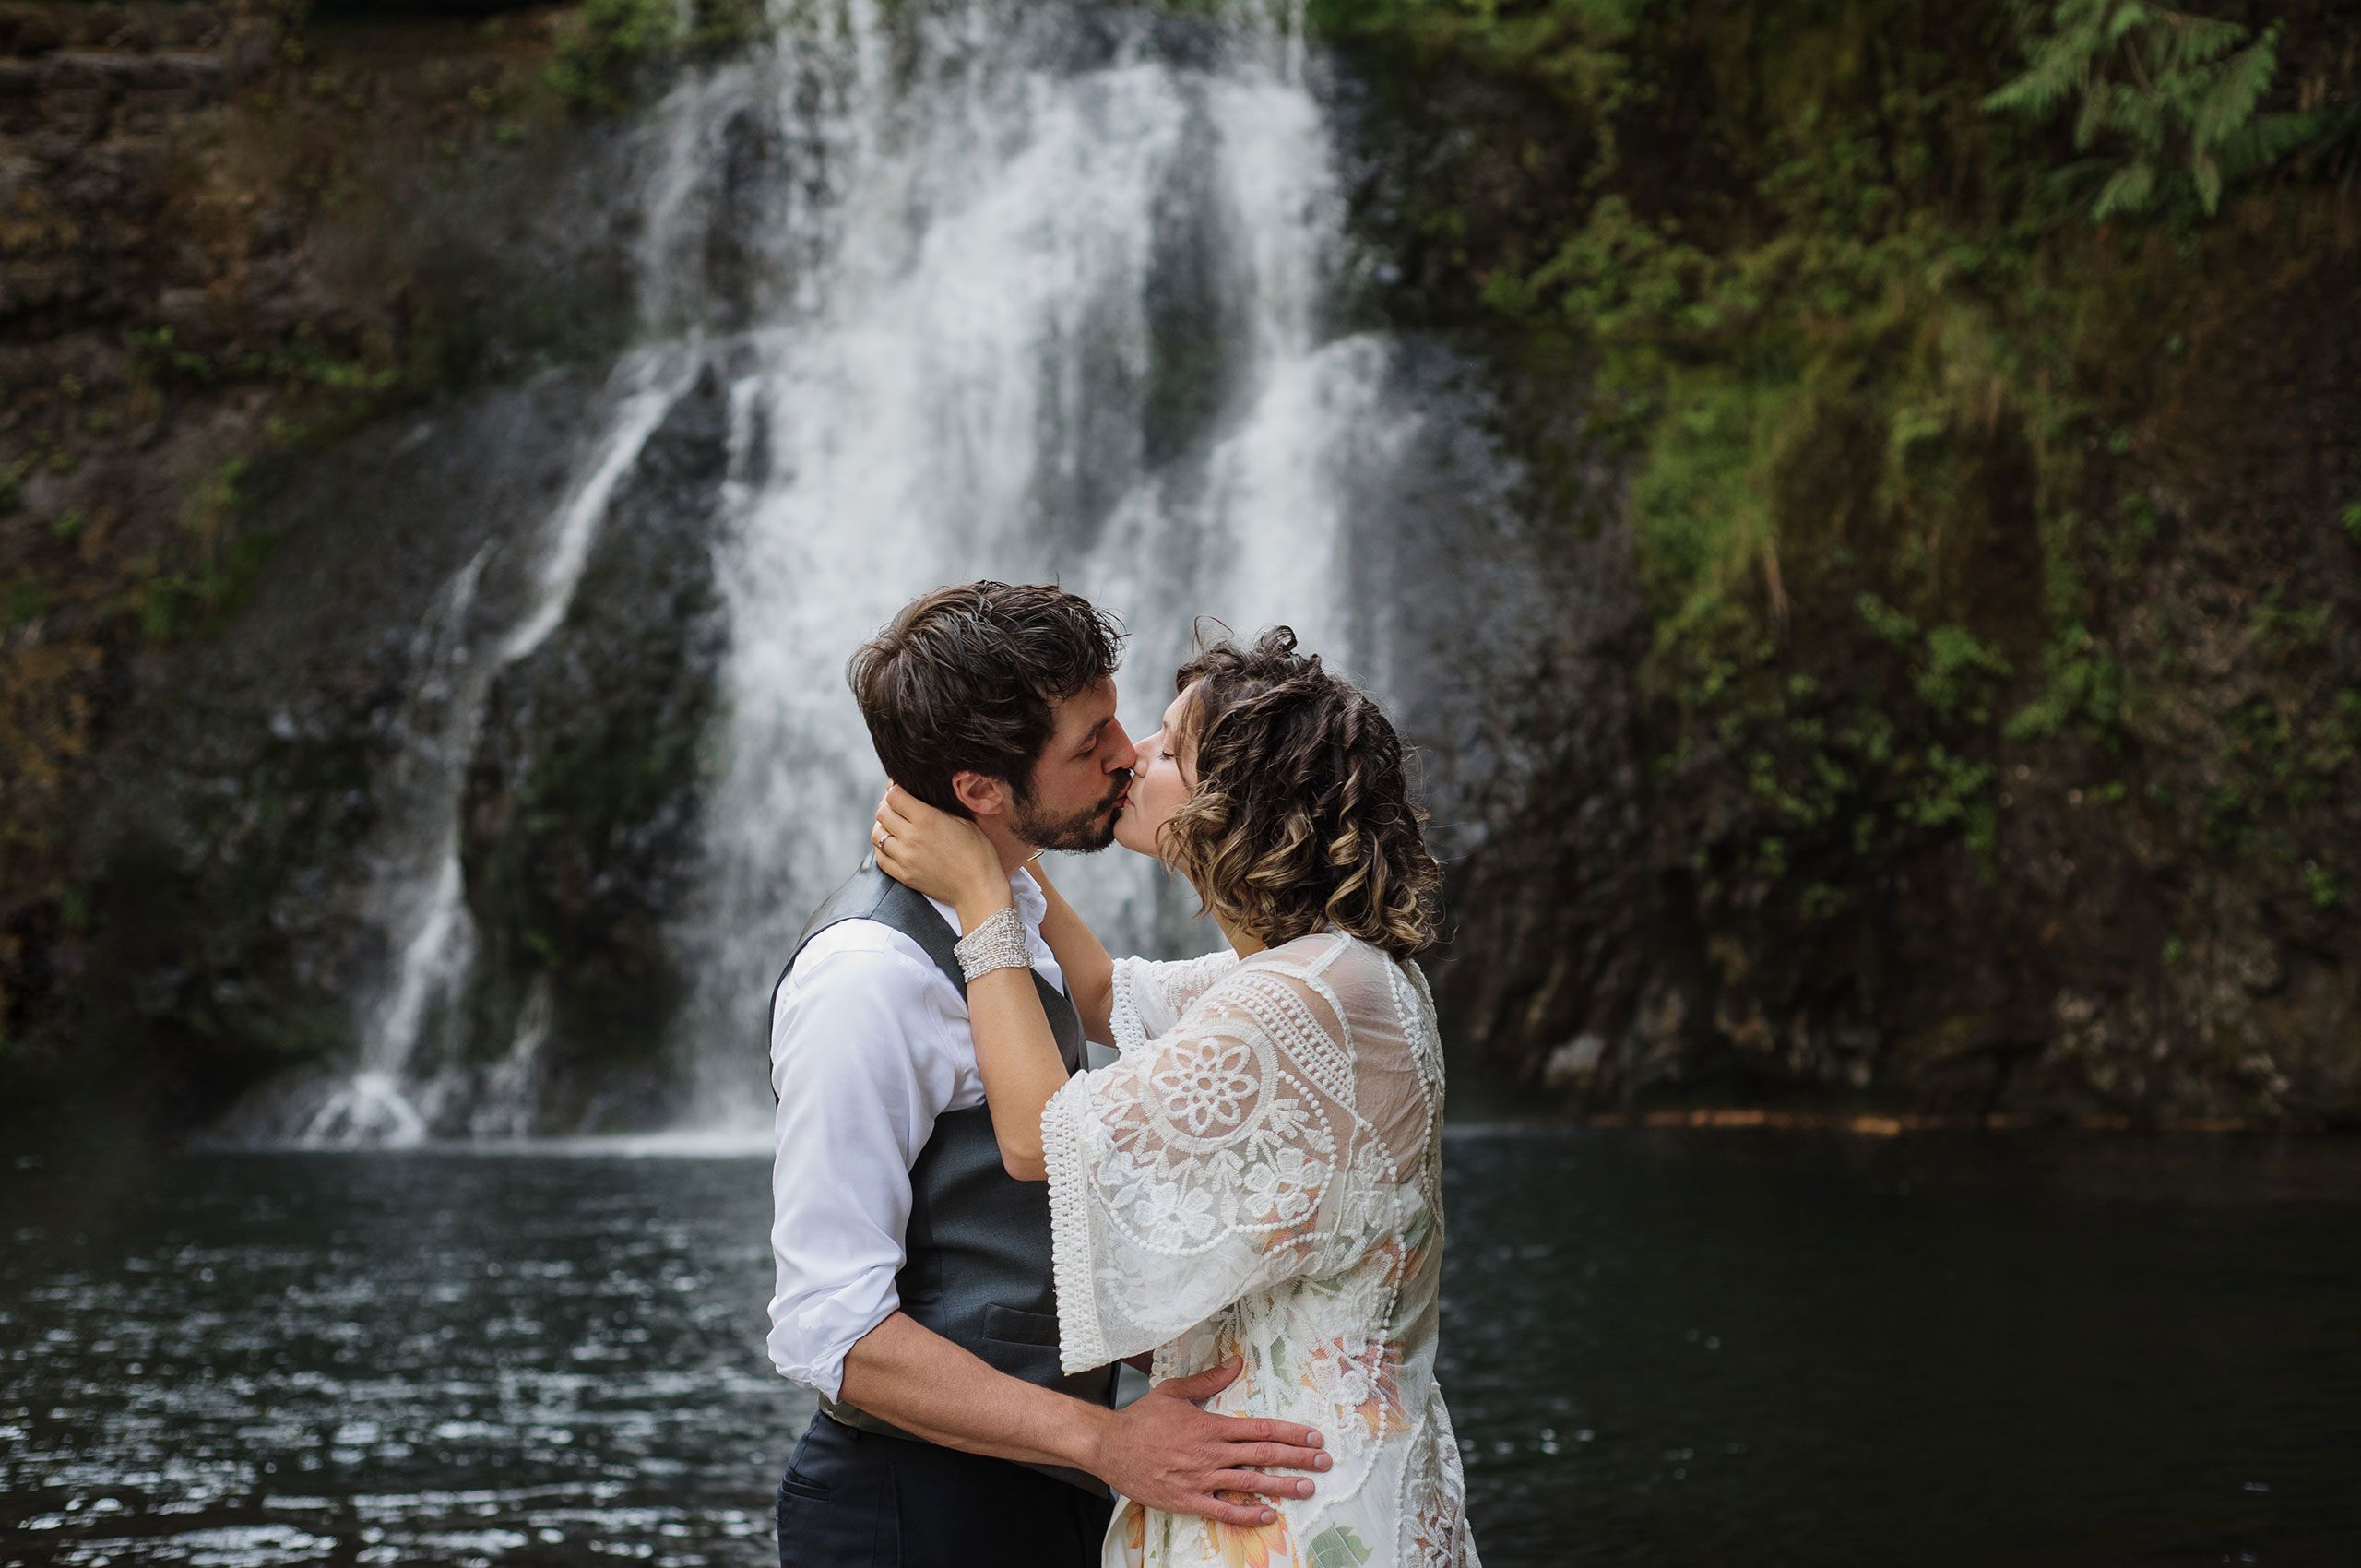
point(1257, 1176)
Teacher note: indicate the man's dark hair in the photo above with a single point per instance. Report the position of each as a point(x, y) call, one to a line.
point(964, 678)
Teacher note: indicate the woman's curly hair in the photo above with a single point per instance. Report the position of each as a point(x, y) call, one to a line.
point(1301, 814)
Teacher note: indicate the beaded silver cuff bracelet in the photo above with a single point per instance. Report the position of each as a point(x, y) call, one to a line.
point(997, 944)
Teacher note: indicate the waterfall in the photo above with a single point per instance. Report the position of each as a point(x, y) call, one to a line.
point(1028, 257)
point(995, 289)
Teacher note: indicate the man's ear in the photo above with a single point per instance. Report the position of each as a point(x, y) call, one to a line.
point(983, 795)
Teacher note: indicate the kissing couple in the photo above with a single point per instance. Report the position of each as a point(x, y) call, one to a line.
point(971, 1226)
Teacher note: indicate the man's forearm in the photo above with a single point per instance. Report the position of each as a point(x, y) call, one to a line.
point(903, 1373)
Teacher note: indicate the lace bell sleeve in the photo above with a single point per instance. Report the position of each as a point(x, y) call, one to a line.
point(1197, 1168)
point(1150, 996)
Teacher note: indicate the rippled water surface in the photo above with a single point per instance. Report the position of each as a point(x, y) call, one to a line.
point(1660, 1348)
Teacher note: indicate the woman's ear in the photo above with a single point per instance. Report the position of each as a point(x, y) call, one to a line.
point(983, 795)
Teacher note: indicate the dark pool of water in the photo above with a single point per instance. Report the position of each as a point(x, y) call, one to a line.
point(1659, 1348)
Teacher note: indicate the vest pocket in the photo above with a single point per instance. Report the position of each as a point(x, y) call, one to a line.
point(1015, 1327)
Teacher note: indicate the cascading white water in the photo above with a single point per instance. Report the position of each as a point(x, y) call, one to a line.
point(1038, 293)
point(967, 393)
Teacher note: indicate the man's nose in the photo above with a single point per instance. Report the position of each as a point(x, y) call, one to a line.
point(1122, 756)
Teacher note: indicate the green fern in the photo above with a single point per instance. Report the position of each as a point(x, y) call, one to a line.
point(2168, 102)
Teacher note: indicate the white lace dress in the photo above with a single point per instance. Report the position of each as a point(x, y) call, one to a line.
point(1258, 1174)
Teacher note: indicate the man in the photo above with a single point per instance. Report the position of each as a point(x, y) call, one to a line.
point(914, 1274)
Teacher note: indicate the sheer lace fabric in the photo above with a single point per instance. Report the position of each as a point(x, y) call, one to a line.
point(1258, 1175)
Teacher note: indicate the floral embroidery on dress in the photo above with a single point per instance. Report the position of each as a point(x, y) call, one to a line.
point(1364, 1381)
point(1259, 1175)
point(1205, 1086)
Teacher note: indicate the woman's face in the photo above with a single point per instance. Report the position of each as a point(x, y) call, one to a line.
point(1160, 779)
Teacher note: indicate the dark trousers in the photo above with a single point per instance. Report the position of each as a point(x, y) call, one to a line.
point(853, 1499)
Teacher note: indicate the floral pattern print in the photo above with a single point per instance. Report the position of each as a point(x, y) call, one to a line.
point(1250, 1546)
point(1258, 1174)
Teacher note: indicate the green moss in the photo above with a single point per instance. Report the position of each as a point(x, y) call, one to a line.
point(213, 568)
point(25, 598)
point(155, 353)
point(2281, 629)
point(606, 45)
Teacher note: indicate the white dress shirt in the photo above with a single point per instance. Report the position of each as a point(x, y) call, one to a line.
point(869, 1045)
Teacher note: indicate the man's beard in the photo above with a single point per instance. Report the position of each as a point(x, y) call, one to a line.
point(1085, 832)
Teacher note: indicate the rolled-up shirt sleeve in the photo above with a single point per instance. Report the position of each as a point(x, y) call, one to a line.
point(861, 1072)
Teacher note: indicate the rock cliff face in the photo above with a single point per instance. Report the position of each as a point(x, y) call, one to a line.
point(248, 780)
point(581, 831)
point(230, 237)
point(2009, 758)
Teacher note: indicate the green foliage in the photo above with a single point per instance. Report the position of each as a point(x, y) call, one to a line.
point(1869, 368)
point(2080, 682)
point(1948, 790)
point(2166, 105)
point(2281, 629)
point(1955, 658)
point(217, 564)
point(23, 599)
point(154, 352)
point(208, 509)
point(605, 42)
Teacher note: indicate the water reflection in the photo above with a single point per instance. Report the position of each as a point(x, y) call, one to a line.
point(1661, 1348)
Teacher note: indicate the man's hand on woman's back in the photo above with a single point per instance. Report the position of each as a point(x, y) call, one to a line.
point(1163, 1451)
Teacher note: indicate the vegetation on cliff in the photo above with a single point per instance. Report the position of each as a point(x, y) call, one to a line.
point(1990, 390)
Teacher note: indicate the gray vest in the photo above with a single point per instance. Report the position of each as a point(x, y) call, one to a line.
point(978, 1267)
